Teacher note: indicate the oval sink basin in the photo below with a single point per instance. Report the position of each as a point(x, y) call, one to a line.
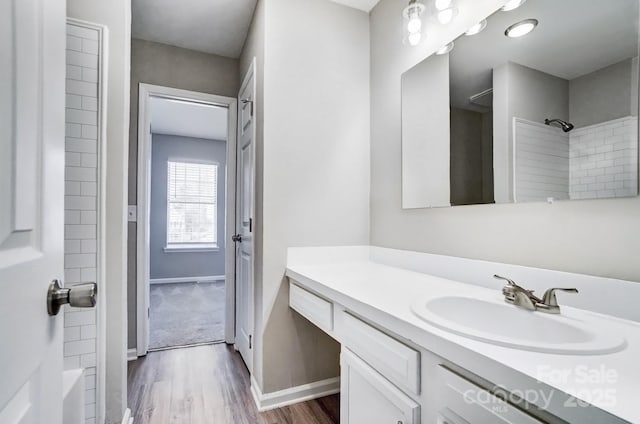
point(507, 325)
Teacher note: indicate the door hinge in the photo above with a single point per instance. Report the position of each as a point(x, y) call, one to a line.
point(250, 102)
point(251, 225)
point(250, 337)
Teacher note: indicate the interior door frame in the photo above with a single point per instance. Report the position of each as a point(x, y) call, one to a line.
point(146, 91)
point(101, 209)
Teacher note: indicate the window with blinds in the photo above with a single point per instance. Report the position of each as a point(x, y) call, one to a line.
point(192, 209)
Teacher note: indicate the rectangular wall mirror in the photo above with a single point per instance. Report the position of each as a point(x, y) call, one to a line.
point(550, 115)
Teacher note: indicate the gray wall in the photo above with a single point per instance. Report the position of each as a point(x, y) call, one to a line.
point(178, 264)
point(467, 168)
point(487, 157)
point(426, 148)
point(602, 95)
point(598, 237)
point(535, 95)
point(175, 67)
point(325, 62)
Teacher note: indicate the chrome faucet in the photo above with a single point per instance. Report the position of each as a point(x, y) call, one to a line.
point(524, 298)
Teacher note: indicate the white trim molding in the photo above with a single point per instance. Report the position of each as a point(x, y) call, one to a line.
point(192, 248)
point(132, 354)
point(204, 279)
point(302, 393)
point(127, 418)
point(146, 91)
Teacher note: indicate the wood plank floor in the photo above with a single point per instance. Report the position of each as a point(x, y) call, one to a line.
point(209, 385)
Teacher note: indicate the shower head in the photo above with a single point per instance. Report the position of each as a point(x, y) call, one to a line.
point(566, 126)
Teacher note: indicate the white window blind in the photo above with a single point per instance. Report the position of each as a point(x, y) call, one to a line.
point(192, 209)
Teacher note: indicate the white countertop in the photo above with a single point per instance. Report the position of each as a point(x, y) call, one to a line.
point(384, 294)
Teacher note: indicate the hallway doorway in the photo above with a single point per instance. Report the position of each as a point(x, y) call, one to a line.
point(185, 213)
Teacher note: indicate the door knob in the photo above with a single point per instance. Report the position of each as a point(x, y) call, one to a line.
point(236, 238)
point(79, 296)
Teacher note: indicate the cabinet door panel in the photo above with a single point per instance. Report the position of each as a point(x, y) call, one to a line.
point(473, 404)
point(368, 397)
point(391, 358)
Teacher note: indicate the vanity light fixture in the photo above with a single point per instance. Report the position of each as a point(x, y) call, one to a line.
point(512, 5)
point(521, 28)
point(477, 28)
point(445, 49)
point(443, 4)
point(444, 11)
point(413, 22)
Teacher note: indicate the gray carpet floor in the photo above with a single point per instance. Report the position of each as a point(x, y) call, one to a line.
point(186, 313)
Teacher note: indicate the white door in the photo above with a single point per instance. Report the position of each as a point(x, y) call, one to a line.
point(32, 85)
point(244, 218)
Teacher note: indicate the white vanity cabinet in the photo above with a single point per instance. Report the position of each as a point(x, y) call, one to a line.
point(397, 361)
point(367, 397)
point(313, 307)
point(380, 376)
point(388, 379)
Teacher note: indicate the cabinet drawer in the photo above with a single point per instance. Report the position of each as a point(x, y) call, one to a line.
point(314, 308)
point(393, 359)
point(368, 397)
point(464, 402)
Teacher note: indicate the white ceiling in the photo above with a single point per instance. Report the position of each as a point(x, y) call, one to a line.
point(188, 119)
point(573, 38)
point(213, 26)
point(365, 5)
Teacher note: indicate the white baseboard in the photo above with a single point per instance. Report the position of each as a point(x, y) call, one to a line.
point(127, 418)
point(305, 392)
point(202, 279)
point(132, 354)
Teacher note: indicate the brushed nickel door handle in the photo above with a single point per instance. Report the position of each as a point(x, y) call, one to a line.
point(79, 296)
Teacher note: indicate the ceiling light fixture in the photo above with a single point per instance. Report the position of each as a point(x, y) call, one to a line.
point(445, 49)
point(477, 28)
point(443, 4)
point(521, 28)
point(444, 11)
point(512, 4)
point(413, 22)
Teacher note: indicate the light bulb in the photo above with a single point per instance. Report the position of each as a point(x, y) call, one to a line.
point(512, 4)
point(477, 28)
point(412, 22)
point(445, 16)
point(445, 49)
point(443, 4)
point(414, 25)
point(414, 38)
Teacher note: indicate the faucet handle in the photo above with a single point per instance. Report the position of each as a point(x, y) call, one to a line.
point(508, 280)
point(549, 297)
point(510, 291)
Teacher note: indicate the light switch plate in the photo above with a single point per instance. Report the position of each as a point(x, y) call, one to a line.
point(132, 213)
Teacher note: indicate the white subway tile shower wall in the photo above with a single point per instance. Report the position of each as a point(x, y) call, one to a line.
point(541, 162)
point(594, 162)
point(604, 159)
point(80, 202)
